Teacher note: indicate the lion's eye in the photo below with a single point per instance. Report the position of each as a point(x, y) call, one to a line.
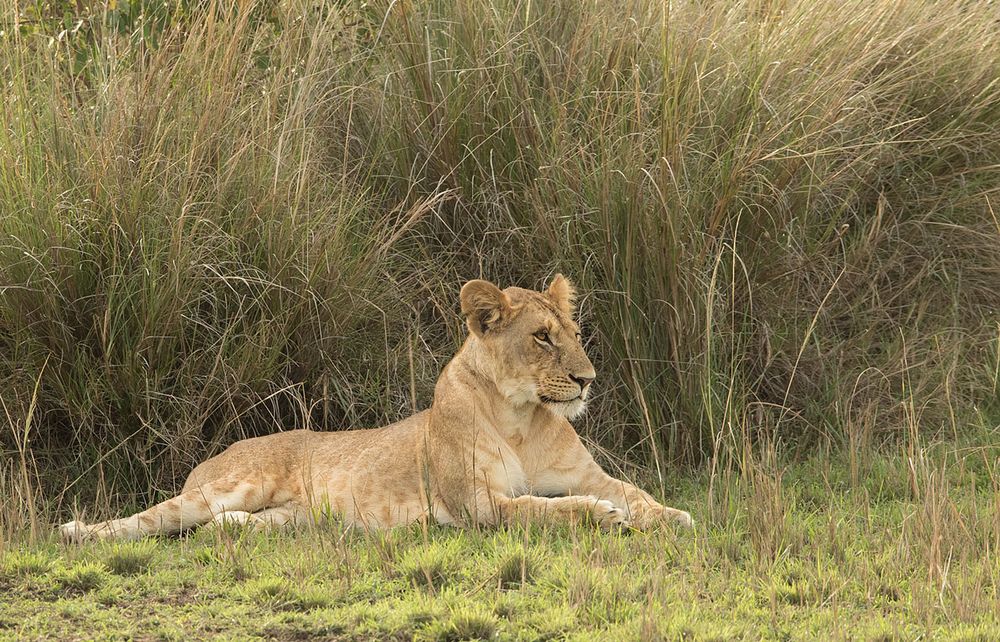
point(543, 337)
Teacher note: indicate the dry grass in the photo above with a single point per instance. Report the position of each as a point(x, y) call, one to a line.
point(235, 219)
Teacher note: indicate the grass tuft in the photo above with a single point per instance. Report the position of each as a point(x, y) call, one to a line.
point(431, 568)
point(517, 567)
point(131, 558)
point(462, 625)
point(25, 564)
point(82, 578)
point(279, 594)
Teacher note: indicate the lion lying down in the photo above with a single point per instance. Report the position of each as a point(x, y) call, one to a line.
point(495, 446)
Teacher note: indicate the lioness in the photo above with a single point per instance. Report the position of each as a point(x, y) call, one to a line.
point(495, 446)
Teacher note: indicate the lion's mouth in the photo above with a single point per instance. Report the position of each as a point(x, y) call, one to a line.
point(545, 399)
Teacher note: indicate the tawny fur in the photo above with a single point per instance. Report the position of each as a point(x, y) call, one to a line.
point(495, 446)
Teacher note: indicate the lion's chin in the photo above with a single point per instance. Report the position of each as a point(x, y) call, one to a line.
point(569, 409)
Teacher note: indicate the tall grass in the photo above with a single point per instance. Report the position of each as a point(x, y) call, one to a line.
point(781, 215)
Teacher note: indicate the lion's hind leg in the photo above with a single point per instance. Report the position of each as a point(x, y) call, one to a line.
point(189, 509)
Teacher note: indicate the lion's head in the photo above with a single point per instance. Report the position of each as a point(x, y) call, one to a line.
point(531, 343)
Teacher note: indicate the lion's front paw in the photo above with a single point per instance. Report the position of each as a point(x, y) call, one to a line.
point(74, 532)
point(652, 517)
point(679, 516)
point(608, 516)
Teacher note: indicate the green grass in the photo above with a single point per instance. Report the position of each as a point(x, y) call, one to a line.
point(877, 556)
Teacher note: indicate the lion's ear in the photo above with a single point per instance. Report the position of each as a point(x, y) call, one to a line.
point(563, 293)
point(484, 305)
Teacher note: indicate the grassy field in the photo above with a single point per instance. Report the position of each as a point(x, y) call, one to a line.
point(218, 219)
point(828, 548)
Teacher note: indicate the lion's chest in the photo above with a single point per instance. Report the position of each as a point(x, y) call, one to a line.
point(506, 470)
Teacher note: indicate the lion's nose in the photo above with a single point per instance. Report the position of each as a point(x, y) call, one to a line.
point(583, 382)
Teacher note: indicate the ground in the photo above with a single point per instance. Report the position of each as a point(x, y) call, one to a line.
point(830, 547)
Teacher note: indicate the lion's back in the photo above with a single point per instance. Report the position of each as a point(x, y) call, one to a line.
point(270, 455)
point(281, 457)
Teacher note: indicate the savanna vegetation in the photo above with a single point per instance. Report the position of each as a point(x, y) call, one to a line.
point(219, 219)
